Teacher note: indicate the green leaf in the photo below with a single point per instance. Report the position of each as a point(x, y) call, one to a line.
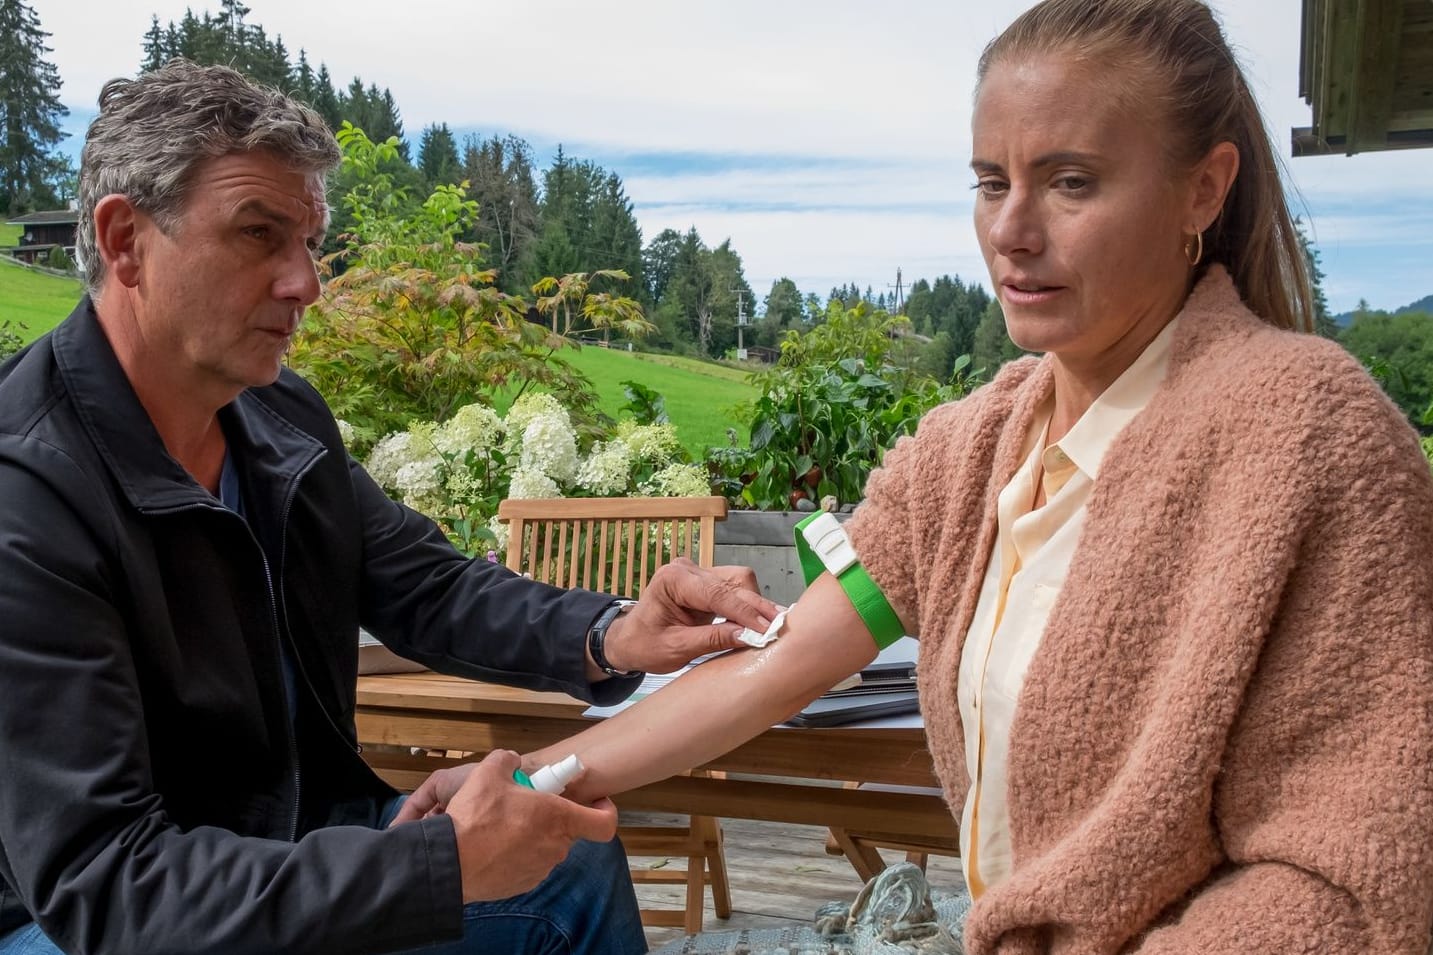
point(761, 435)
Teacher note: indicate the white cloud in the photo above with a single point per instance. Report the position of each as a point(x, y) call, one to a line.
point(854, 246)
point(1397, 228)
point(810, 186)
point(869, 103)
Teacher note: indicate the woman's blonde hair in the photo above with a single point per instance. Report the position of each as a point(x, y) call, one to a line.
point(1170, 58)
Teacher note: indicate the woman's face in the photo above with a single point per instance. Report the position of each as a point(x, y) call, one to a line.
point(1081, 219)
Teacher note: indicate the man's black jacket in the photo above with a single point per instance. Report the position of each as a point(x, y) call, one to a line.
point(155, 794)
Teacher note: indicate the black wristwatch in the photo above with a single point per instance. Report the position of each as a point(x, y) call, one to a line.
point(597, 636)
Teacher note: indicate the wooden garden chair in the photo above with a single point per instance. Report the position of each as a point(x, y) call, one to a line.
point(615, 545)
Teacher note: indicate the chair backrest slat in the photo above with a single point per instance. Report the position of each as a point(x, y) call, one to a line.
point(587, 554)
point(602, 550)
point(608, 544)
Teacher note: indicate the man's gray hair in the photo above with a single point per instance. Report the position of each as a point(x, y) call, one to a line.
point(153, 132)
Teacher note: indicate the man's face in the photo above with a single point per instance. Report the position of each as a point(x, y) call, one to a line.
point(222, 291)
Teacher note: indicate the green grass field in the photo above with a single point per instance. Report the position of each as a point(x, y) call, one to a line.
point(699, 395)
point(33, 299)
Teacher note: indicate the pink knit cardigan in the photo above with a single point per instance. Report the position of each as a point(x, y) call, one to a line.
point(1225, 741)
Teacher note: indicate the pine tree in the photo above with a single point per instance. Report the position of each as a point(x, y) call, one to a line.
point(993, 346)
point(393, 119)
point(231, 21)
point(325, 98)
point(302, 81)
point(438, 156)
point(552, 254)
point(30, 111)
point(155, 53)
point(1323, 322)
point(616, 238)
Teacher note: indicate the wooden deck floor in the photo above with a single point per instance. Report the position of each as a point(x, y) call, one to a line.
point(779, 874)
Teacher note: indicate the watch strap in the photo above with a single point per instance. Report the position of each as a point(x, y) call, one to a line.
point(597, 638)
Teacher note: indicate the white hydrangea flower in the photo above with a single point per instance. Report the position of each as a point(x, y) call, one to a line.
point(387, 456)
point(532, 484)
point(345, 432)
point(462, 486)
point(654, 443)
point(535, 404)
point(607, 470)
point(475, 427)
point(678, 480)
point(424, 445)
point(420, 484)
point(550, 447)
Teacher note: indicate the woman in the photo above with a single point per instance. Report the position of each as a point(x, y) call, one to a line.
point(1193, 544)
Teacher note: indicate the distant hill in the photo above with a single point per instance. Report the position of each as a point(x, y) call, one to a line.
point(1424, 304)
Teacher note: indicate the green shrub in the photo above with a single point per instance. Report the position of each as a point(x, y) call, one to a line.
point(59, 260)
point(1427, 423)
point(827, 413)
point(12, 338)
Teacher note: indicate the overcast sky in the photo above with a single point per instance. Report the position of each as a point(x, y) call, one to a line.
point(828, 140)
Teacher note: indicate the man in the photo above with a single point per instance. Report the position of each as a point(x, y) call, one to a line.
point(186, 554)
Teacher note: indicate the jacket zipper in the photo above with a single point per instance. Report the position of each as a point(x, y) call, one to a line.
point(289, 710)
point(290, 715)
point(283, 554)
point(284, 633)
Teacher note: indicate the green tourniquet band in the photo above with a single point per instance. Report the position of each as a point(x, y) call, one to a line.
point(861, 590)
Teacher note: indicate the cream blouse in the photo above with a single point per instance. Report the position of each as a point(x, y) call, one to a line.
point(1032, 554)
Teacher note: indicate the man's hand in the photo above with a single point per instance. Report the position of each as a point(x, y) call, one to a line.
point(433, 796)
point(509, 837)
point(672, 624)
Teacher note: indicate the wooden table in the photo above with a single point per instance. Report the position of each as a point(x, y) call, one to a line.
point(447, 713)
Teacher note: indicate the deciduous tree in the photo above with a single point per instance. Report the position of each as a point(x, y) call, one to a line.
point(1399, 351)
point(500, 176)
point(782, 310)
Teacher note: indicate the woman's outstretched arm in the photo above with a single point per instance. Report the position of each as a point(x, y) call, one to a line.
point(724, 702)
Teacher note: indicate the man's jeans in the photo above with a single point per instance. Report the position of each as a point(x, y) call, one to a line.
point(585, 907)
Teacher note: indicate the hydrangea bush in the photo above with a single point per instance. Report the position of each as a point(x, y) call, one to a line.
point(457, 471)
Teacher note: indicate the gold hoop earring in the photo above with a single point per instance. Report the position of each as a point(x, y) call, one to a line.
point(1197, 256)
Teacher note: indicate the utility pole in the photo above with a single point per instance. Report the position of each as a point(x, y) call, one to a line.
point(900, 295)
point(740, 323)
